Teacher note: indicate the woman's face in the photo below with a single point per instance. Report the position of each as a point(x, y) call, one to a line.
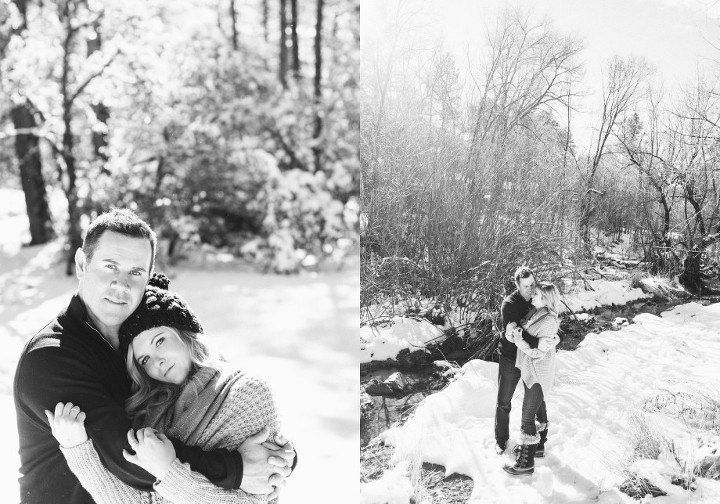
point(162, 354)
point(537, 299)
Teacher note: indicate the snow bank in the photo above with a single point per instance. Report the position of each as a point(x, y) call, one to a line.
point(384, 342)
point(603, 293)
point(610, 385)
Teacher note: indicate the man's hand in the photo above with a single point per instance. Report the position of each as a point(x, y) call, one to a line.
point(260, 463)
point(67, 425)
point(510, 330)
point(154, 452)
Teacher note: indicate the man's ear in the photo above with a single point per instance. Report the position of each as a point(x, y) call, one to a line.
point(80, 263)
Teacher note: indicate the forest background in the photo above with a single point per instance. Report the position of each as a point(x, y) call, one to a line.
point(492, 137)
point(230, 125)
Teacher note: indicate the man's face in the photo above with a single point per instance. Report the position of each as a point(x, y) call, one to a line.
point(113, 281)
point(526, 287)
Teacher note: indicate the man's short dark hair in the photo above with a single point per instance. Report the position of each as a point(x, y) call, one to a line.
point(523, 272)
point(122, 221)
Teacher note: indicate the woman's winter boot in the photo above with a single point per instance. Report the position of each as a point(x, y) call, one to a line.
point(525, 463)
point(542, 432)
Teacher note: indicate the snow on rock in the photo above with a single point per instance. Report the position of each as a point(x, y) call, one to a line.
point(650, 375)
point(603, 293)
point(394, 487)
point(384, 342)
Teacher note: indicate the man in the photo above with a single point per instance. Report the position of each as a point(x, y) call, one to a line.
point(514, 308)
point(75, 358)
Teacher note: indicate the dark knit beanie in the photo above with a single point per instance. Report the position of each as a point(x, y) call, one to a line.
point(159, 307)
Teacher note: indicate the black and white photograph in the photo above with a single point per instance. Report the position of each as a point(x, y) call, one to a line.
point(539, 262)
point(179, 251)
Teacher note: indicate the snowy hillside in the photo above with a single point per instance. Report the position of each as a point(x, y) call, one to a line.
point(641, 400)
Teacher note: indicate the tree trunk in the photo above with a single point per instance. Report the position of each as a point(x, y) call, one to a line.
point(101, 111)
point(282, 71)
point(266, 19)
point(317, 85)
point(74, 231)
point(233, 20)
point(294, 38)
point(28, 153)
point(690, 277)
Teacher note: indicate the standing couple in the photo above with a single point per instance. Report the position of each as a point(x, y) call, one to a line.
point(527, 351)
point(141, 408)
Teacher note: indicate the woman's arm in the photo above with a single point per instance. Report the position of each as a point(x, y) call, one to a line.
point(181, 485)
point(544, 346)
point(546, 330)
point(103, 486)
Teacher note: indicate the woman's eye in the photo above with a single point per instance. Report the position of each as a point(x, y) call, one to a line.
point(160, 341)
point(143, 361)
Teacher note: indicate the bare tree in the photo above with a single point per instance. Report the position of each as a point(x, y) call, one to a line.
point(27, 149)
point(620, 91)
point(317, 85)
point(233, 21)
point(294, 39)
point(282, 69)
point(529, 67)
point(71, 90)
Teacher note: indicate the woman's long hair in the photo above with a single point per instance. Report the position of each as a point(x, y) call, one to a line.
point(551, 297)
point(149, 393)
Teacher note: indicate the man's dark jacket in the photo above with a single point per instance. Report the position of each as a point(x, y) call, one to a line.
point(513, 309)
point(69, 361)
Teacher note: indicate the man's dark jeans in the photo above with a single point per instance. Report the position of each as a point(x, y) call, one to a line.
point(533, 407)
point(508, 378)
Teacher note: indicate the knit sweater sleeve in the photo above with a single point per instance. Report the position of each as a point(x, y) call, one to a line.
point(181, 485)
point(103, 486)
point(546, 331)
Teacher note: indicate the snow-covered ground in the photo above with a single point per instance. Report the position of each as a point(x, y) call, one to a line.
point(654, 379)
point(298, 332)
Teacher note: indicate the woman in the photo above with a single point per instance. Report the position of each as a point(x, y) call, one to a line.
point(537, 370)
point(180, 390)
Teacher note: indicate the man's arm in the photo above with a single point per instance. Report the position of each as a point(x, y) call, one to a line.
point(510, 313)
point(50, 375)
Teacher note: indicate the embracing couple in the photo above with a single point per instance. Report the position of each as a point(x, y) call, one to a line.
point(119, 399)
point(527, 352)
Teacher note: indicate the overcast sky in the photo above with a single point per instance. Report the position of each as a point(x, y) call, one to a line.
point(677, 37)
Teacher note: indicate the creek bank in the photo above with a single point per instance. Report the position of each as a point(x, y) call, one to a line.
point(390, 389)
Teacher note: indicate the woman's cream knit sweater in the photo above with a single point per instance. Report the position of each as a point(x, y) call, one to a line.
point(248, 408)
point(537, 365)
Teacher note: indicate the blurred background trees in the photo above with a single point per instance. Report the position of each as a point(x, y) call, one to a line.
point(224, 123)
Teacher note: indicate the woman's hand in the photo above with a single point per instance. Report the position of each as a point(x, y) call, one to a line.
point(284, 458)
point(67, 425)
point(153, 451)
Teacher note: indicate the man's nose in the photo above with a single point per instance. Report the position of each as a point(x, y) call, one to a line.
point(122, 280)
